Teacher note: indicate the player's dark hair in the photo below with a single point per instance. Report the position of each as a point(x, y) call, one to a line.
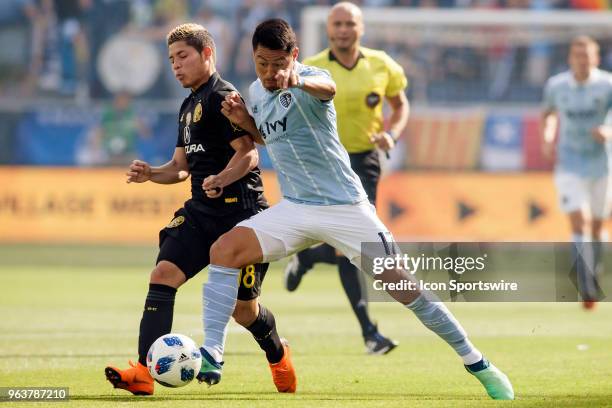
point(274, 34)
point(194, 35)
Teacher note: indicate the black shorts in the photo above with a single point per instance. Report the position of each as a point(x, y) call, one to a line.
point(367, 167)
point(187, 239)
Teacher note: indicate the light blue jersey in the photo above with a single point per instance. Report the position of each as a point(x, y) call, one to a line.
point(581, 108)
point(301, 137)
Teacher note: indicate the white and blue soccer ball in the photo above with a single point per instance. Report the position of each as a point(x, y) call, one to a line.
point(174, 360)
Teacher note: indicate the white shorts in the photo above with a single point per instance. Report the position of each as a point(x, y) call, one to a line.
point(288, 227)
point(581, 193)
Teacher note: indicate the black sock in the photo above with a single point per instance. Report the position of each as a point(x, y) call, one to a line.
point(322, 253)
point(156, 317)
point(357, 295)
point(264, 331)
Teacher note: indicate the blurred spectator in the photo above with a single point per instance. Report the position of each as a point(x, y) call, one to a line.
point(16, 11)
point(17, 21)
point(73, 46)
point(100, 28)
point(114, 140)
point(167, 14)
point(219, 27)
point(65, 52)
point(61, 41)
point(251, 13)
point(46, 49)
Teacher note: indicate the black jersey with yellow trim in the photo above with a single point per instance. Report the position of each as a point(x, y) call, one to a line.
point(206, 134)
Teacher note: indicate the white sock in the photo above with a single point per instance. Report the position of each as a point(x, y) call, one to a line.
point(472, 357)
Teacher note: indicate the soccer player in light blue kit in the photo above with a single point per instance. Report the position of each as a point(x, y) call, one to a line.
point(581, 101)
point(323, 201)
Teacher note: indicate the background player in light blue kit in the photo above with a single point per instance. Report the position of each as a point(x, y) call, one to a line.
point(323, 201)
point(580, 100)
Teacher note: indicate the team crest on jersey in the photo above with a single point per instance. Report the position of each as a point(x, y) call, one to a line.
point(285, 99)
point(372, 99)
point(197, 113)
point(598, 102)
point(186, 135)
point(255, 109)
point(176, 222)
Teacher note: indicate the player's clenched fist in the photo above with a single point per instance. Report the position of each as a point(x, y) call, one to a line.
point(287, 78)
point(213, 186)
point(234, 109)
point(383, 141)
point(139, 172)
point(601, 133)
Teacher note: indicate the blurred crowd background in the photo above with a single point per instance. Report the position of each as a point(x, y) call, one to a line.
point(86, 82)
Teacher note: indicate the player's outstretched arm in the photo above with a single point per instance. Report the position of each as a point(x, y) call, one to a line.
point(234, 109)
point(320, 87)
point(602, 133)
point(398, 119)
point(175, 171)
point(245, 159)
point(400, 111)
point(550, 122)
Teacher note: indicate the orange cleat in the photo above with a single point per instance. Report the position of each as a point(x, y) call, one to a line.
point(283, 373)
point(589, 304)
point(135, 379)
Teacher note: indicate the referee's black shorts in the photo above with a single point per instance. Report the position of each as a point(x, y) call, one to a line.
point(187, 239)
point(367, 167)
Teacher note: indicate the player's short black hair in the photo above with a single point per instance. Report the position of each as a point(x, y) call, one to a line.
point(274, 34)
point(194, 35)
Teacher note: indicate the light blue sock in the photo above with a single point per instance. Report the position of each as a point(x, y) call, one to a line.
point(218, 299)
point(437, 318)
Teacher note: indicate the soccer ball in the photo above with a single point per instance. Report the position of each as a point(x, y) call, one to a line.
point(174, 360)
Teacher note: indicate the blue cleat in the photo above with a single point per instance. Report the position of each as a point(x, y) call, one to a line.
point(496, 383)
point(210, 372)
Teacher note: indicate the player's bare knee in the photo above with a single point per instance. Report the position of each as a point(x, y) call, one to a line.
point(226, 252)
point(166, 273)
point(596, 229)
point(245, 313)
point(577, 222)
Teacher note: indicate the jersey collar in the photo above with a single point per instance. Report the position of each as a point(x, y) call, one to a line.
point(594, 75)
point(213, 78)
point(332, 57)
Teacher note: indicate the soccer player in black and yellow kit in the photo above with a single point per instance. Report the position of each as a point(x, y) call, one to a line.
point(364, 78)
point(226, 188)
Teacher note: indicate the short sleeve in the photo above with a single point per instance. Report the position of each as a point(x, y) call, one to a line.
point(548, 100)
point(229, 130)
point(397, 79)
point(179, 139)
point(310, 71)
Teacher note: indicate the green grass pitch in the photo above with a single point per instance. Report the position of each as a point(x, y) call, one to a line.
point(68, 311)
